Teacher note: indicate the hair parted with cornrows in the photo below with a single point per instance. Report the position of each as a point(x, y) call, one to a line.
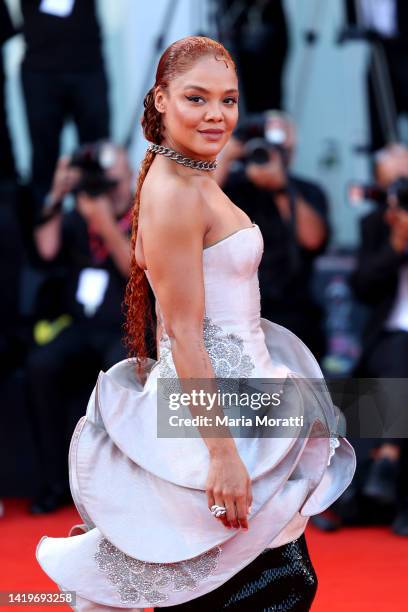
point(176, 59)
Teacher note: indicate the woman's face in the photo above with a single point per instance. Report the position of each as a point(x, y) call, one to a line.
point(200, 108)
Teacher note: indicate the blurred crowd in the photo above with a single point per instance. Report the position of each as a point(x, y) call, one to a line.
point(66, 251)
point(65, 248)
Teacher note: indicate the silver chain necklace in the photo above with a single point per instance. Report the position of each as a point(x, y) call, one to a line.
point(180, 159)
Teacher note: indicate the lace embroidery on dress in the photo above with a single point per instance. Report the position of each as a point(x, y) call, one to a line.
point(134, 579)
point(226, 352)
point(334, 443)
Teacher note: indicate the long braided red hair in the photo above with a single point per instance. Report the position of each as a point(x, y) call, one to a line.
point(176, 59)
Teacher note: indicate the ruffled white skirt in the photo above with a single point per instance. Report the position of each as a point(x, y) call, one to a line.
point(147, 537)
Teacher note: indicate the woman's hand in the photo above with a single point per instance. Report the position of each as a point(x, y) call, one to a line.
point(229, 485)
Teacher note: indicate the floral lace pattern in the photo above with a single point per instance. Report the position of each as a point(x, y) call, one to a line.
point(136, 580)
point(334, 443)
point(226, 352)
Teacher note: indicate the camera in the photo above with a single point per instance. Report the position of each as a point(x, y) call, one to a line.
point(398, 190)
point(93, 160)
point(262, 134)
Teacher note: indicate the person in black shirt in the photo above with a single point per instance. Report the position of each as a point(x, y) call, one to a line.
point(380, 281)
point(289, 248)
point(92, 243)
point(63, 76)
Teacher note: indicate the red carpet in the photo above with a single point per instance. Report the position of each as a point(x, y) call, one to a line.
point(359, 570)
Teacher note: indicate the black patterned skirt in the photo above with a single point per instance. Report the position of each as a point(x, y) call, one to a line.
point(279, 580)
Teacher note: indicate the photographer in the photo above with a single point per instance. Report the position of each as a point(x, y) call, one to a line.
point(292, 215)
point(92, 244)
point(381, 281)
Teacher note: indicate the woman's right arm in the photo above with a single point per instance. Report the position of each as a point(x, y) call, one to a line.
point(173, 248)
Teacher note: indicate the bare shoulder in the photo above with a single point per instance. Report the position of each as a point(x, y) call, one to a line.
point(173, 207)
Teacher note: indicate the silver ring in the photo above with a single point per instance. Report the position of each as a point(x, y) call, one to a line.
point(217, 510)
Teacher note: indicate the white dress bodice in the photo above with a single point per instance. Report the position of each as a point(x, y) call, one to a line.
point(232, 328)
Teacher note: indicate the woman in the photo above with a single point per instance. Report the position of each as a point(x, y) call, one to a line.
point(168, 520)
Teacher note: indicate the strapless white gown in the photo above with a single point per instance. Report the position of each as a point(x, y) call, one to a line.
point(148, 538)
